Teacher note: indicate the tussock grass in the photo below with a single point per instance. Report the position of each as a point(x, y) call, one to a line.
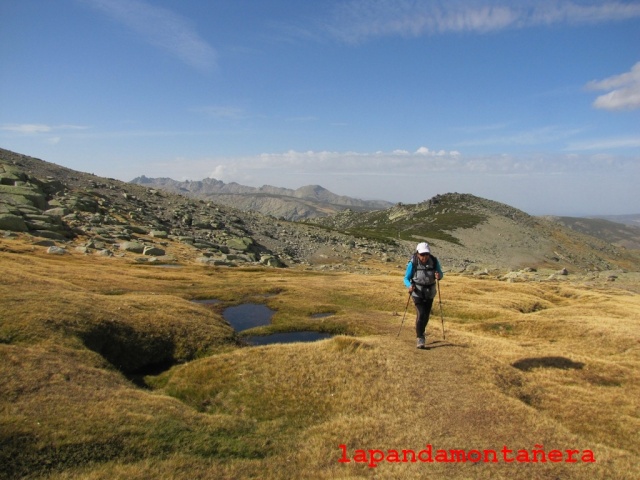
point(524, 364)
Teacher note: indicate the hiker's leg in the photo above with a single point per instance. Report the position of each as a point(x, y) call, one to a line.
point(428, 304)
point(430, 295)
point(422, 317)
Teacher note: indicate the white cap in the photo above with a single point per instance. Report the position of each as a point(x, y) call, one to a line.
point(423, 248)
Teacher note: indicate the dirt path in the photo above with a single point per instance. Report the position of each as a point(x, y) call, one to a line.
point(449, 402)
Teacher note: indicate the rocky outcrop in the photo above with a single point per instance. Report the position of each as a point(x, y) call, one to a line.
point(24, 206)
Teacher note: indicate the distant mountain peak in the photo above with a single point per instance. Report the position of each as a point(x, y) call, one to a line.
point(308, 201)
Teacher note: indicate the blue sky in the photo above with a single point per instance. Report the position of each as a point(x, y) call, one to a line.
point(534, 103)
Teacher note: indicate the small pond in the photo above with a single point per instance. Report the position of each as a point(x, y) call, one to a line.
point(248, 315)
point(251, 315)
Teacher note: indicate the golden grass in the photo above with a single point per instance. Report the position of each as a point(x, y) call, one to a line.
point(524, 364)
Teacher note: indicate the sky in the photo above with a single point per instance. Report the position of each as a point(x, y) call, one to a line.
point(533, 103)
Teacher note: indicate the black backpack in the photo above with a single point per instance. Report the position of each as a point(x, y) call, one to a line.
point(414, 260)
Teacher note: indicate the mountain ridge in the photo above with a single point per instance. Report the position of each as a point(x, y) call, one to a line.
point(468, 233)
point(308, 201)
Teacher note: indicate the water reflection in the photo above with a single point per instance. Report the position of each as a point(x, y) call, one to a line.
point(251, 315)
point(248, 315)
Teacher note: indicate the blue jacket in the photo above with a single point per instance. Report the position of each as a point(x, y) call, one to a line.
point(408, 274)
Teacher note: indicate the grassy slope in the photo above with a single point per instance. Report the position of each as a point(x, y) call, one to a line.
point(612, 232)
point(437, 218)
point(282, 411)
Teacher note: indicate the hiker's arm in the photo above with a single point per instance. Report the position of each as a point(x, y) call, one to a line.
point(439, 273)
point(408, 274)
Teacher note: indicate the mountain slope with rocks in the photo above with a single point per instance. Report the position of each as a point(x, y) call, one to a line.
point(109, 217)
point(621, 234)
point(80, 212)
point(632, 220)
point(473, 232)
point(305, 202)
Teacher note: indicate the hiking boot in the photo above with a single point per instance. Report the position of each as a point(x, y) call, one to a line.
point(421, 343)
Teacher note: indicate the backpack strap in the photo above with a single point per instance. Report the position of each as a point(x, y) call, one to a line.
point(414, 259)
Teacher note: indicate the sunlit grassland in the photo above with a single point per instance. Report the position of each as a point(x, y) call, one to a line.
point(523, 364)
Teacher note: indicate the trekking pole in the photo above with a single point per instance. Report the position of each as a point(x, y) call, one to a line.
point(441, 313)
point(405, 313)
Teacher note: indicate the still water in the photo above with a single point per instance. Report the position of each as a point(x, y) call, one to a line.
point(248, 315)
point(251, 315)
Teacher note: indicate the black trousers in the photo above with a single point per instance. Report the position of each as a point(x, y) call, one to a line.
point(423, 304)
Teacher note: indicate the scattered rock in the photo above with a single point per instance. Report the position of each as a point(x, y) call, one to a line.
point(44, 243)
point(133, 247)
point(48, 234)
point(242, 244)
point(153, 251)
point(271, 261)
point(15, 223)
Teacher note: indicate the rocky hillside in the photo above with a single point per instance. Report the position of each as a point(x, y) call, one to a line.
point(108, 217)
point(81, 213)
point(631, 220)
point(617, 233)
point(305, 202)
point(470, 231)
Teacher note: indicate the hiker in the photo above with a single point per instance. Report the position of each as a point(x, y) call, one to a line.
point(423, 271)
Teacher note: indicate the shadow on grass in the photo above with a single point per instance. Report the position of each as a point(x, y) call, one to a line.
point(442, 343)
point(528, 364)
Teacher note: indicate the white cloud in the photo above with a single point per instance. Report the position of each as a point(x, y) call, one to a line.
point(606, 144)
point(582, 11)
point(541, 184)
point(26, 128)
point(624, 91)
point(400, 163)
point(162, 28)
point(37, 128)
point(219, 172)
point(536, 136)
point(358, 20)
